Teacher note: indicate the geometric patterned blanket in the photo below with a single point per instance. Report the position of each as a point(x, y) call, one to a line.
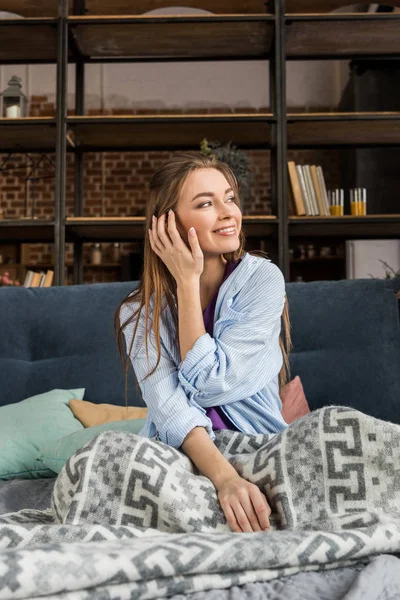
point(132, 517)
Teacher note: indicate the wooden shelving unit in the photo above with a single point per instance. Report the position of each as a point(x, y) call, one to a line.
point(90, 31)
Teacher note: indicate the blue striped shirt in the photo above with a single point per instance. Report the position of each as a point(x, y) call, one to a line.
point(237, 368)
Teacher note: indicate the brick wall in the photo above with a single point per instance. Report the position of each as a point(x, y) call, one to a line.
point(123, 176)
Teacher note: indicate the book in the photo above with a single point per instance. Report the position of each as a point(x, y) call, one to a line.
point(296, 190)
point(48, 278)
point(321, 179)
point(35, 281)
point(28, 278)
point(304, 190)
point(311, 192)
point(363, 258)
point(318, 191)
point(41, 279)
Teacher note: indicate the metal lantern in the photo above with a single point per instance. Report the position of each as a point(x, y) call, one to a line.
point(15, 103)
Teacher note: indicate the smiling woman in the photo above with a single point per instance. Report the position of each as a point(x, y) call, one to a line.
point(203, 193)
point(225, 377)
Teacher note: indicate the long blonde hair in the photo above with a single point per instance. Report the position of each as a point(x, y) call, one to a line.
point(156, 279)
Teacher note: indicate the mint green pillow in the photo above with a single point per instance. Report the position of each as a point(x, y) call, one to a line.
point(28, 425)
point(55, 454)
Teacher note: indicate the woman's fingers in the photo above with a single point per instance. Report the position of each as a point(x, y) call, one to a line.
point(240, 520)
point(230, 517)
point(162, 237)
point(261, 506)
point(246, 503)
point(173, 231)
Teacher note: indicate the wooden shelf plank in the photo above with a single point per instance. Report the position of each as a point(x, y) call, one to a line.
point(323, 6)
point(34, 8)
point(126, 7)
point(343, 129)
point(70, 266)
point(174, 36)
point(348, 226)
point(173, 132)
point(27, 231)
point(131, 228)
point(27, 133)
point(158, 132)
point(27, 41)
point(342, 36)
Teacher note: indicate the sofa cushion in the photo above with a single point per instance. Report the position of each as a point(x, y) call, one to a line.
point(55, 453)
point(27, 425)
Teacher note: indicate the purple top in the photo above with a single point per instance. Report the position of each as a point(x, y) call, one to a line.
point(218, 418)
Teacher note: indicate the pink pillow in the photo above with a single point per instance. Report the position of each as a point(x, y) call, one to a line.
point(294, 402)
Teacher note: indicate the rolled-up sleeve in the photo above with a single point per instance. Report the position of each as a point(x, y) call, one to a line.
point(170, 409)
point(246, 355)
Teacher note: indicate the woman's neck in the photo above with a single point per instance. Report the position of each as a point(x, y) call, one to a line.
point(211, 278)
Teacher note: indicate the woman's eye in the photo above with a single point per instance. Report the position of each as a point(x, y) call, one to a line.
point(204, 203)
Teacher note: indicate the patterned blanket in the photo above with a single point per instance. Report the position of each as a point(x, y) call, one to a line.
point(133, 518)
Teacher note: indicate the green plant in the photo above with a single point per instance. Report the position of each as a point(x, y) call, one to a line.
point(238, 161)
point(388, 272)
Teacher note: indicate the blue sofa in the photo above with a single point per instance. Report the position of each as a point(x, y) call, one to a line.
point(346, 343)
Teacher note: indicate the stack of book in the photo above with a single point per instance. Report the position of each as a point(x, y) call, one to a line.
point(307, 193)
point(33, 279)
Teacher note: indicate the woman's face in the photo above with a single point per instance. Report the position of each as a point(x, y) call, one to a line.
point(208, 203)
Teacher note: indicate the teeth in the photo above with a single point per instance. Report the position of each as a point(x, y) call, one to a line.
point(226, 229)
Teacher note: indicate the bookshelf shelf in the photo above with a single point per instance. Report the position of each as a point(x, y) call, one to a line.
point(163, 132)
point(340, 35)
point(125, 229)
point(70, 265)
point(169, 131)
point(27, 231)
point(345, 130)
point(40, 41)
point(33, 8)
point(28, 134)
point(49, 8)
point(126, 7)
point(219, 37)
point(317, 259)
point(321, 6)
point(364, 226)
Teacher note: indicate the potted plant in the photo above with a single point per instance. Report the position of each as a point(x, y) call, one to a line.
point(390, 273)
point(238, 161)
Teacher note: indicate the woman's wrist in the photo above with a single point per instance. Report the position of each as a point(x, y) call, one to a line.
point(190, 316)
point(189, 284)
point(208, 459)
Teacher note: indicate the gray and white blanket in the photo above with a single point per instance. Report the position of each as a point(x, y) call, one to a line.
point(133, 518)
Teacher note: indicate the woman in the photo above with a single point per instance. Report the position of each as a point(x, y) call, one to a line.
point(208, 314)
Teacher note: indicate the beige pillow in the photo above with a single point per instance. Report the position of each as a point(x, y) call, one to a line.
point(90, 414)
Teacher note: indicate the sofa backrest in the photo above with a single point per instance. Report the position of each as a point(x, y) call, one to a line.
point(62, 337)
point(346, 343)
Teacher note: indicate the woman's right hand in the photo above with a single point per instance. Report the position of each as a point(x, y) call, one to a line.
point(245, 506)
